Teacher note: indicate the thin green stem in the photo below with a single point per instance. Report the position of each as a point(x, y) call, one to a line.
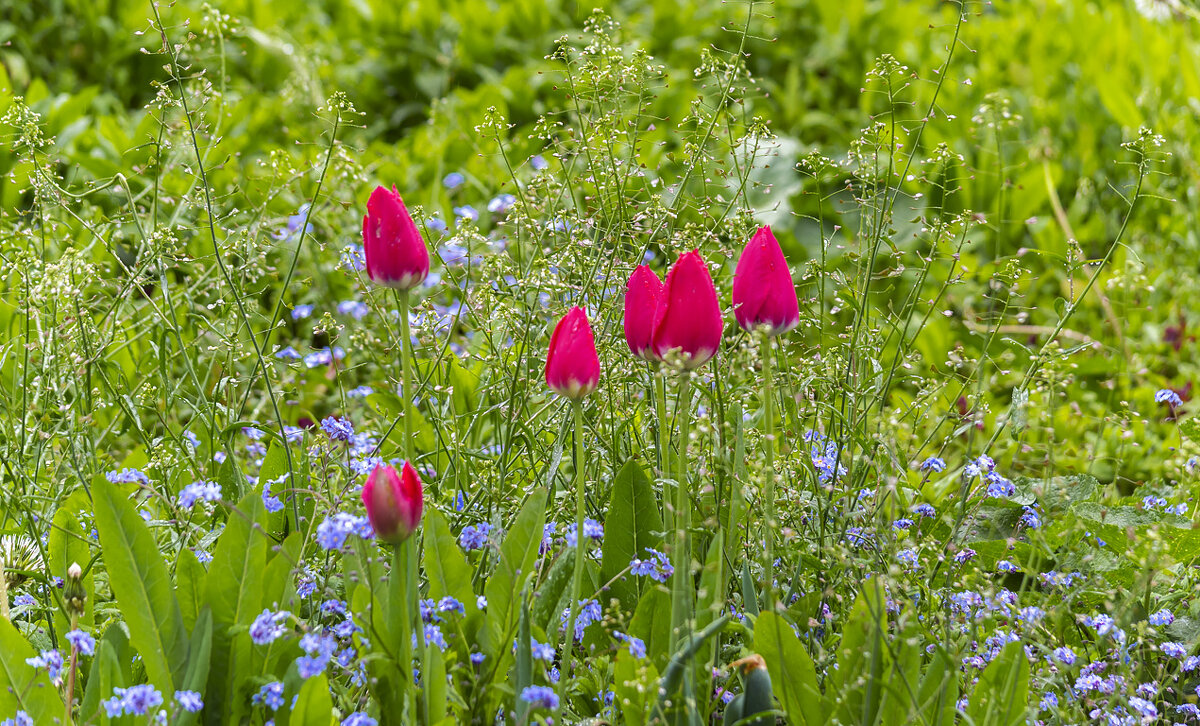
point(406, 377)
point(664, 443)
point(577, 575)
point(769, 475)
point(681, 584)
point(398, 597)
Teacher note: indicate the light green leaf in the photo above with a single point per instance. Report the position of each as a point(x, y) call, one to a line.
point(631, 525)
point(517, 556)
point(314, 706)
point(142, 585)
point(233, 590)
point(1001, 696)
point(793, 674)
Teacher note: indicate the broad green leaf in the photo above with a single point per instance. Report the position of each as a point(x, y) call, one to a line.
point(902, 683)
point(793, 674)
point(555, 593)
point(22, 687)
point(635, 681)
point(862, 659)
point(233, 591)
point(938, 695)
point(1001, 697)
point(652, 623)
point(445, 565)
point(199, 652)
point(142, 585)
point(279, 584)
point(710, 600)
point(314, 706)
point(517, 556)
point(104, 676)
point(190, 581)
point(631, 525)
point(68, 545)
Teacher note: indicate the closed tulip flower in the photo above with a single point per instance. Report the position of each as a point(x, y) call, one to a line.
point(572, 366)
point(643, 296)
point(689, 320)
point(394, 502)
point(395, 252)
point(763, 293)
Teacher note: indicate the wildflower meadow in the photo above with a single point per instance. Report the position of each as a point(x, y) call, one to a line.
point(690, 362)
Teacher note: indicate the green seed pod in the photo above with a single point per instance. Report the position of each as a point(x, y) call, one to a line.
point(74, 596)
point(733, 712)
point(759, 699)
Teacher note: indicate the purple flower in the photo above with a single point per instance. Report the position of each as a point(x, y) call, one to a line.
point(189, 701)
point(51, 660)
point(198, 491)
point(81, 641)
point(474, 537)
point(338, 429)
point(1169, 397)
point(934, 464)
point(270, 695)
point(268, 626)
point(540, 697)
point(657, 566)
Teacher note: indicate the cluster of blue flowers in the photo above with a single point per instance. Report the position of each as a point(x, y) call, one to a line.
point(656, 566)
point(137, 700)
point(589, 612)
point(337, 527)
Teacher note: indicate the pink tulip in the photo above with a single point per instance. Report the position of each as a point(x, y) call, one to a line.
point(396, 254)
point(763, 293)
point(394, 502)
point(572, 366)
point(689, 320)
point(643, 296)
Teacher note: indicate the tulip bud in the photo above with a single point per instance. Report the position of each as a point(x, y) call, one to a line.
point(74, 596)
point(763, 293)
point(689, 320)
point(643, 296)
point(572, 366)
point(394, 502)
point(396, 254)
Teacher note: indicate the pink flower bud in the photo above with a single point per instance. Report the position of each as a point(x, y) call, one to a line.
point(689, 320)
point(572, 366)
point(643, 296)
point(396, 254)
point(763, 293)
point(394, 502)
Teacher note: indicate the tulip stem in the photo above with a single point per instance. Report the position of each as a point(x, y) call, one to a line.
point(415, 615)
point(664, 443)
point(769, 472)
point(406, 377)
point(398, 597)
point(680, 600)
point(580, 548)
point(408, 548)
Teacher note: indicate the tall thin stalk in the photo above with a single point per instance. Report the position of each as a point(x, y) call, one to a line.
point(407, 552)
point(577, 575)
point(664, 443)
point(681, 552)
point(769, 475)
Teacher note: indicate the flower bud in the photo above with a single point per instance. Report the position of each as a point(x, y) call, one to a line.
point(572, 365)
point(395, 252)
point(394, 502)
point(763, 293)
point(689, 320)
point(74, 596)
point(643, 297)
